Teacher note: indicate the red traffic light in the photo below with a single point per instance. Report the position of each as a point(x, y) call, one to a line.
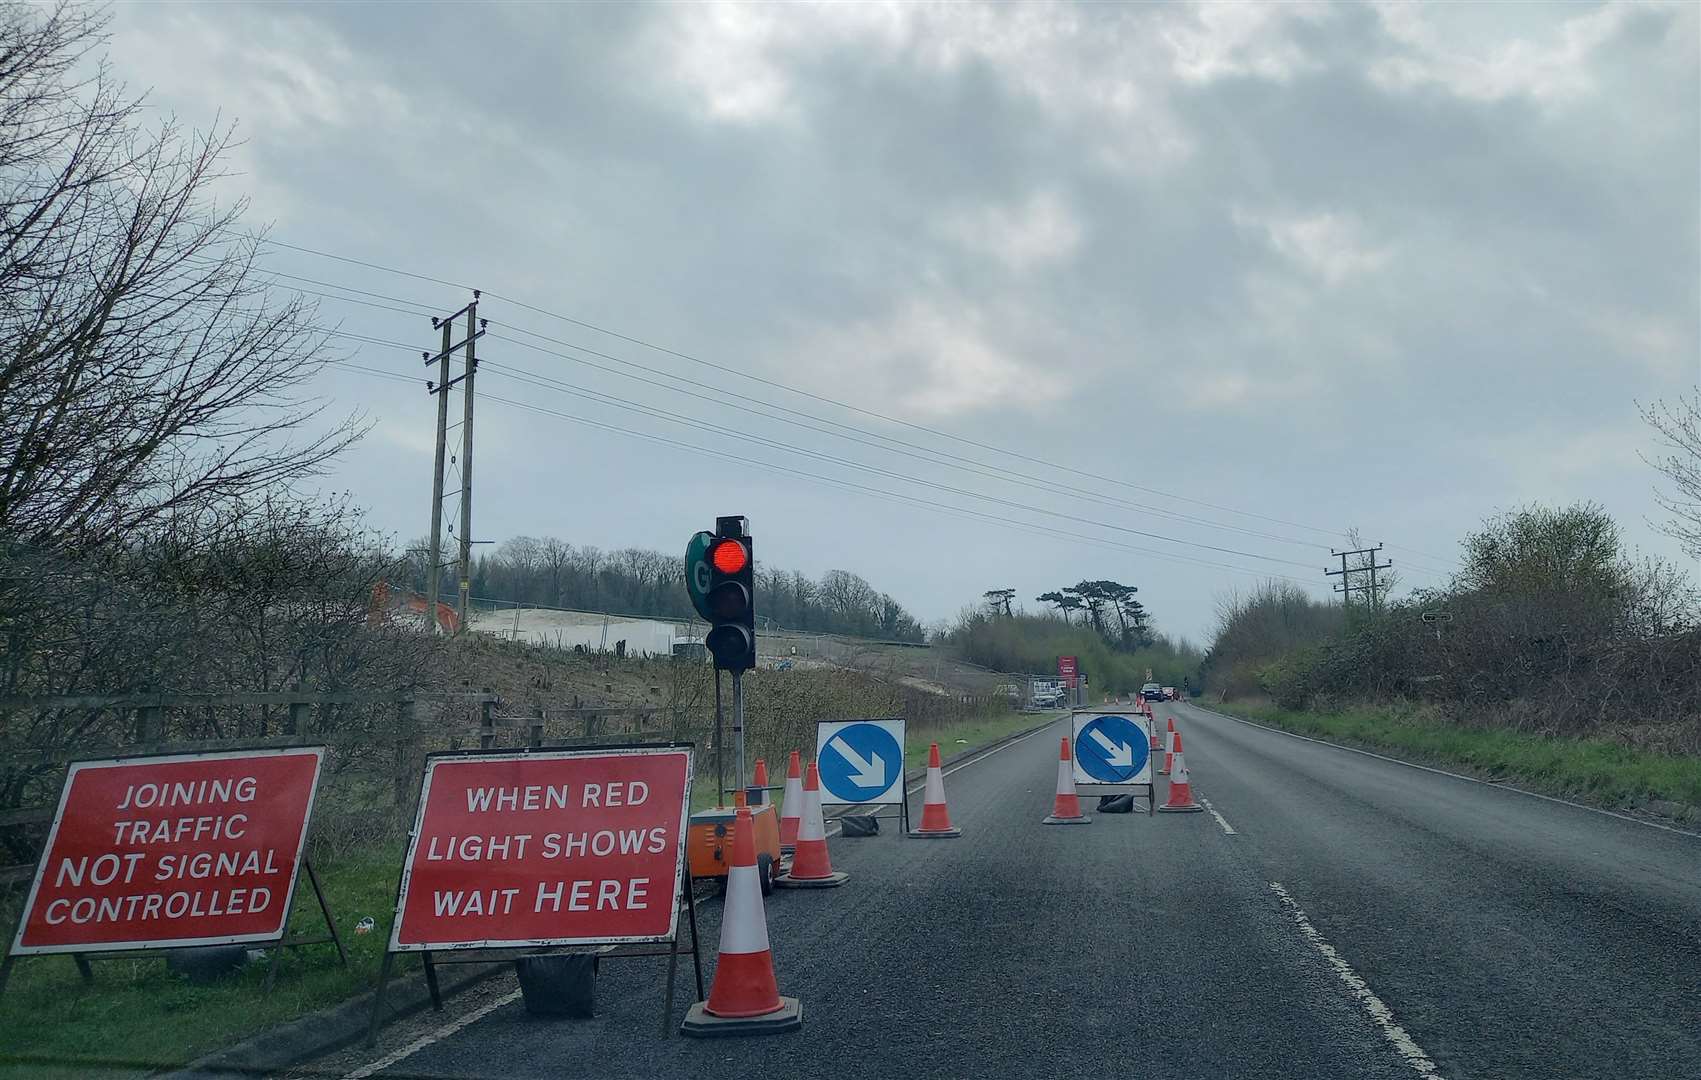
point(729, 556)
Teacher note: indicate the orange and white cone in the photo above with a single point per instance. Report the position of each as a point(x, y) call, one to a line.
point(1180, 791)
point(745, 998)
point(1169, 751)
point(791, 810)
point(935, 816)
point(810, 867)
point(1066, 809)
point(1157, 746)
point(759, 784)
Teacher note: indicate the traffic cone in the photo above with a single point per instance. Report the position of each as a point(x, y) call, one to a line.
point(1157, 745)
point(1066, 810)
point(935, 817)
point(1169, 751)
point(791, 812)
point(759, 784)
point(810, 867)
point(1180, 791)
point(744, 999)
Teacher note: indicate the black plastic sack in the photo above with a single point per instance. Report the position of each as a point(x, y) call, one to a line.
point(558, 985)
point(1116, 804)
point(859, 825)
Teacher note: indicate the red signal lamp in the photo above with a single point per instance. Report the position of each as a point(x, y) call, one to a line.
point(729, 556)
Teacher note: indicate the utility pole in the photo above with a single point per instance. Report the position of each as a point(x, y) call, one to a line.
point(467, 459)
point(1346, 587)
point(434, 569)
point(441, 387)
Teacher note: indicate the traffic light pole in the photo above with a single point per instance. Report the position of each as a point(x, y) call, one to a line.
point(738, 724)
point(720, 747)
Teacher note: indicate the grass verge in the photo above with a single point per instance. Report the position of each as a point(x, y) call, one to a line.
point(137, 1017)
point(1598, 771)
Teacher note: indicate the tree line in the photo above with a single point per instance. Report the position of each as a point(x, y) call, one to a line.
point(550, 572)
point(1550, 624)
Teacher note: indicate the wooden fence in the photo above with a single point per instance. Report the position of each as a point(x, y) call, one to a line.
point(414, 733)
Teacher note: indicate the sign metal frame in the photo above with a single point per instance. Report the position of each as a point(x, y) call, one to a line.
point(82, 954)
point(600, 947)
point(1148, 787)
point(899, 802)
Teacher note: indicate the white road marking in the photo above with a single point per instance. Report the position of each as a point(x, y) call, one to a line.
point(1379, 1012)
point(427, 1039)
point(1227, 828)
point(1500, 786)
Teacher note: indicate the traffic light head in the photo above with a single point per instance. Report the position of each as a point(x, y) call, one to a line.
point(730, 599)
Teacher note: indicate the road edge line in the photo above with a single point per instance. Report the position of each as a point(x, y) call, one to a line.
point(1457, 776)
point(1403, 1043)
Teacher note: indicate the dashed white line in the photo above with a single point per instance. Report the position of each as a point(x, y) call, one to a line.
point(1379, 1012)
point(1223, 821)
point(427, 1039)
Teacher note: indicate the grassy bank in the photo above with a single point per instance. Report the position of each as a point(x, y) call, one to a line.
point(138, 1017)
point(1598, 771)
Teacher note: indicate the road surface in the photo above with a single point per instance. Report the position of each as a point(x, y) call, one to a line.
point(1362, 919)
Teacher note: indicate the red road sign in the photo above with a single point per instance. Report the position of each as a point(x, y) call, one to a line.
point(1066, 670)
point(572, 847)
point(185, 849)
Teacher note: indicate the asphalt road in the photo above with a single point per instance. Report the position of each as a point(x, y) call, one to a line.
point(1363, 919)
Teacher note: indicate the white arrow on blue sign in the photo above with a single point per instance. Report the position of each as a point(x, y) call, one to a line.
point(1111, 749)
point(861, 761)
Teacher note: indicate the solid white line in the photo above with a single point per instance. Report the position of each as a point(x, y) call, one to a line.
point(1227, 828)
point(1409, 1050)
point(427, 1039)
point(1454, 775)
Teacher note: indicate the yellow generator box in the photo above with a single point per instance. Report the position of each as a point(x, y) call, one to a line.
point(708, 844)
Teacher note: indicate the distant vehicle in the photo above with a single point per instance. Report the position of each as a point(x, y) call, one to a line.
point(1152, 692)
point(1047, 699)
point(1170, 694)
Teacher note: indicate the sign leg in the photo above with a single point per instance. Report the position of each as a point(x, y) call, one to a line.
point(672, 975)
point(378, 998)
point(696, 950)
point(6, 970)
point(431, 982)
point(83, 968)
point(325, 910)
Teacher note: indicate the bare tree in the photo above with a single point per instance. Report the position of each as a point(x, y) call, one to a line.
point(1679, 426)
point(145, 369)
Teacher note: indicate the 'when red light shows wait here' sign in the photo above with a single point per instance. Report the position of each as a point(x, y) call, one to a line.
point(566, 847)
point(159, 852)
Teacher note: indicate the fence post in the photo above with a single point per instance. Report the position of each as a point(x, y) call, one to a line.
point(150, 723)
point(486, 723)
point(406, 728)
point(298, 713)
point(536, 739)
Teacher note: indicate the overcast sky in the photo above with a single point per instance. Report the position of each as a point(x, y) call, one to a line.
point(1387, 268)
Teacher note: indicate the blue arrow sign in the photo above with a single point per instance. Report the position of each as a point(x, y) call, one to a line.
point(1112, 749)
point(859, 762)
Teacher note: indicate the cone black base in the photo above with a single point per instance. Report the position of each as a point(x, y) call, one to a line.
point(836, 878)
point(937, 834)
point(1053, 819)
point(702, 1024)
point(1193, 809)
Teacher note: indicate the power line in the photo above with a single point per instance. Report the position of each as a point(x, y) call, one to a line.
point(937, 507)
point(775, 384)
point(1442, 566)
